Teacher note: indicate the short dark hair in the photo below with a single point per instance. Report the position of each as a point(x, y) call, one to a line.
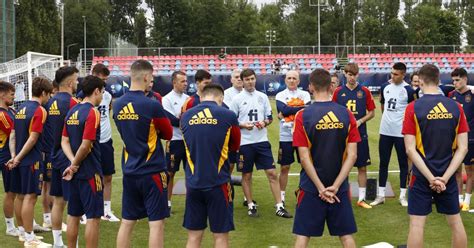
point(40, 85)
point(320, 79)
point(201, 75)
point(91, 83)
point(335, 75)
point(459, 72)
point(6, 87)
point(175, 75)
point(352, 68)
point(247, 73)
point(64, 72)
point(399, 66)
point(139, 66)
point(415, 73)
point(100, 69)
point(213, 89)
point(429, 74)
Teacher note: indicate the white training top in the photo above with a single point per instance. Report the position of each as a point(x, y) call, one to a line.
point(284, 97)
point(395, 99)
point(172, 103)
point(229, 94)
point(20, 91)
point(104, 110)
point(252, 107)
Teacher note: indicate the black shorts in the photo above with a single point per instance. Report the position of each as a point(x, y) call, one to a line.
point(286, 153)
point(107, 158)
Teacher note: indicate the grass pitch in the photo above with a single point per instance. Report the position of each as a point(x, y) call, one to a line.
point(388, 222)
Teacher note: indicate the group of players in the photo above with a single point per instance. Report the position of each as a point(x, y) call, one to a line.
point(66, 148)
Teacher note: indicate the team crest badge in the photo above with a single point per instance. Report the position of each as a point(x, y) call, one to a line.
point(468, 98)
point(280, 154)
point(360, 94)
point(241, 162)
point(172, 160)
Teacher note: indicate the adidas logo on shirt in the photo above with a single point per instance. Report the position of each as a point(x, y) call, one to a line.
point(203, 117)
point(21, 114)
point(329, 121)
point(53, 110)
point(73, 119)
point(127, 113)
point(439, 112)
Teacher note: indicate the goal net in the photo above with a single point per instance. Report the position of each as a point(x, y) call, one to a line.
point(21, 71)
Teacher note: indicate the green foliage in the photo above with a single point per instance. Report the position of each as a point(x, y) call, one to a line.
point(123, 14)
point(141, 24)
point(37, 27)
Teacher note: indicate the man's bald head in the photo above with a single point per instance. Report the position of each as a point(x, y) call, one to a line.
point(292, 80)
point(236, 80)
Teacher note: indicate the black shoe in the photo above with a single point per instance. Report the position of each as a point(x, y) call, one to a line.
point(283, 213)
point(252, 212)
point(246, 204)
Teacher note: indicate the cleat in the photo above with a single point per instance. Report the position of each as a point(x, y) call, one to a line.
point(83, 220)
point(363, 204)
point(283, 213)
point(111, 217)
point(14, 232)
point(465, 207)
point(21, 238)
point(35, 243)
point(403, 201)
point(64, 227)
point(47, 225)
point(39, 229)
point(378, 200)
point(252, 212)
point(246, 204)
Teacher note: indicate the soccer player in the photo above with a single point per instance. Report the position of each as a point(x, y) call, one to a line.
point(335, 80)
point(141, 122)
point(394, 98)
point(288, 103)
point(326, 135)
point(415, 80)
point(57, 108)
point(202, 78)
point(7, 115)
point(436, 139)
point(172, 103)
point(80, 143)
point(466, 98)
point(255, 114)
point(236, 88)
point(105, 142)
point(208, 193)
point(360, 102)
point(152, 94)
point(25, 159)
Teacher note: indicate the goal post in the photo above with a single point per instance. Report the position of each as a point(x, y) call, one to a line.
point(21, 71)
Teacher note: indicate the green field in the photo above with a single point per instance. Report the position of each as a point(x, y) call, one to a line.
point(388, 222)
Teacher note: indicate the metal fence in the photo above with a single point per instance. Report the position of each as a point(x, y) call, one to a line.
point(339, 51)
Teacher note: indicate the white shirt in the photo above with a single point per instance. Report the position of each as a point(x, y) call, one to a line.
point(172, 103)
point(251, 107)
point(395, 99)
point(20, 91)
point(284, 97)
point(104, 110)
point(229, 94)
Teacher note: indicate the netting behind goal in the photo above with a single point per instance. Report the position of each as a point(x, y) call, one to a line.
point(22, 70)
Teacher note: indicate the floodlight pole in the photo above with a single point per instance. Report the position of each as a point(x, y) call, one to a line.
point(85, 43)
point(318, 5)
point(62, 29)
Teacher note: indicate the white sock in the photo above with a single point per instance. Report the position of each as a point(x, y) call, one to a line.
point(282, 193)
point(169, 204)
point(245, 198)
point(10, 222)
point(58, 240)
point(467, 199)
point(22, 230)
point(279, 205)
point(403, 192)
point(362, 194)
point(29, 236)
point(251, 205)
point(107, 207)
point(461, 199)
point(381, 192)
point(47, 218)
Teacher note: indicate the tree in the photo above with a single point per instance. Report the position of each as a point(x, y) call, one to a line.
point(141, 25)
point(37, 27)
point(98, 24)
point(122, 15)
